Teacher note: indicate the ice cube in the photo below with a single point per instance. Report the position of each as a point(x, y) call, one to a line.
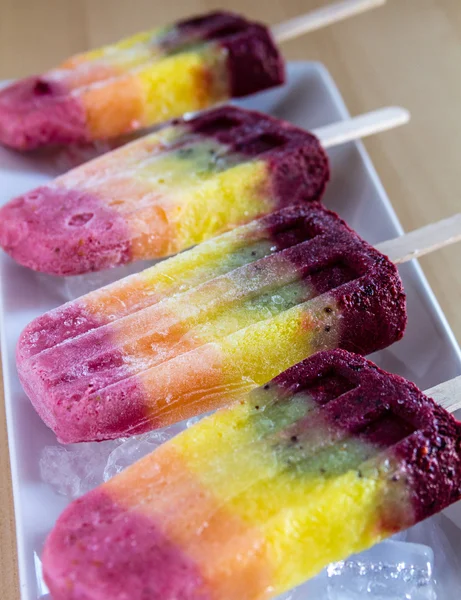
point(75, 469)
point(439, 533)
point(389, 571)
point(137, 447)
point(132, 450)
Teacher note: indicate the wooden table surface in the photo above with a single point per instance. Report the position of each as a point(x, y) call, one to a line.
point(407, 53)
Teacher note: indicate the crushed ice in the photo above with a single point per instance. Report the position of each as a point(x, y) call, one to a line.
point(75, 469)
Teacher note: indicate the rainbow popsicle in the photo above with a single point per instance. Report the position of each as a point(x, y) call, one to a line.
point(165, 192)
point(141, 81)
point(198, 331)
point(324, 461)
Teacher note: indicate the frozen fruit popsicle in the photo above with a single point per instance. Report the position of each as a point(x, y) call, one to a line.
point(164, 192)
point(154, 76)
point(141, 81)
point(326, 460)
point(203, 328)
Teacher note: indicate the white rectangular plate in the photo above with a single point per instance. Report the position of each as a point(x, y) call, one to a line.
point(427, 355)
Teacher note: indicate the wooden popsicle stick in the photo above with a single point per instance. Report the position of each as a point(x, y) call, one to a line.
point(362, 126)
point(417, 243)
point(447, 394)
point(316, 19)
point(422, 241)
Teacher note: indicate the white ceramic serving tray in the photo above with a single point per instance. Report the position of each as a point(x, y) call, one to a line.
point(427, 355)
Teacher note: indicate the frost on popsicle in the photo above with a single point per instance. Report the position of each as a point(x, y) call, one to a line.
point(198, 331)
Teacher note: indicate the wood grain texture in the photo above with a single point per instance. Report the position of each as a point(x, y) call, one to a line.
point(407, 53)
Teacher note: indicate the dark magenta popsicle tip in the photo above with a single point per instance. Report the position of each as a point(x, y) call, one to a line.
point(298, 164)
point(35, 112)
point(254, 61)
point(393, 413)
point(89, 556)
point(63, 232)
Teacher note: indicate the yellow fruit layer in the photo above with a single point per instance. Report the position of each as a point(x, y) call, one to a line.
point(198, 198)
point(217, 373)
point(185, 82)
point(308, 519)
